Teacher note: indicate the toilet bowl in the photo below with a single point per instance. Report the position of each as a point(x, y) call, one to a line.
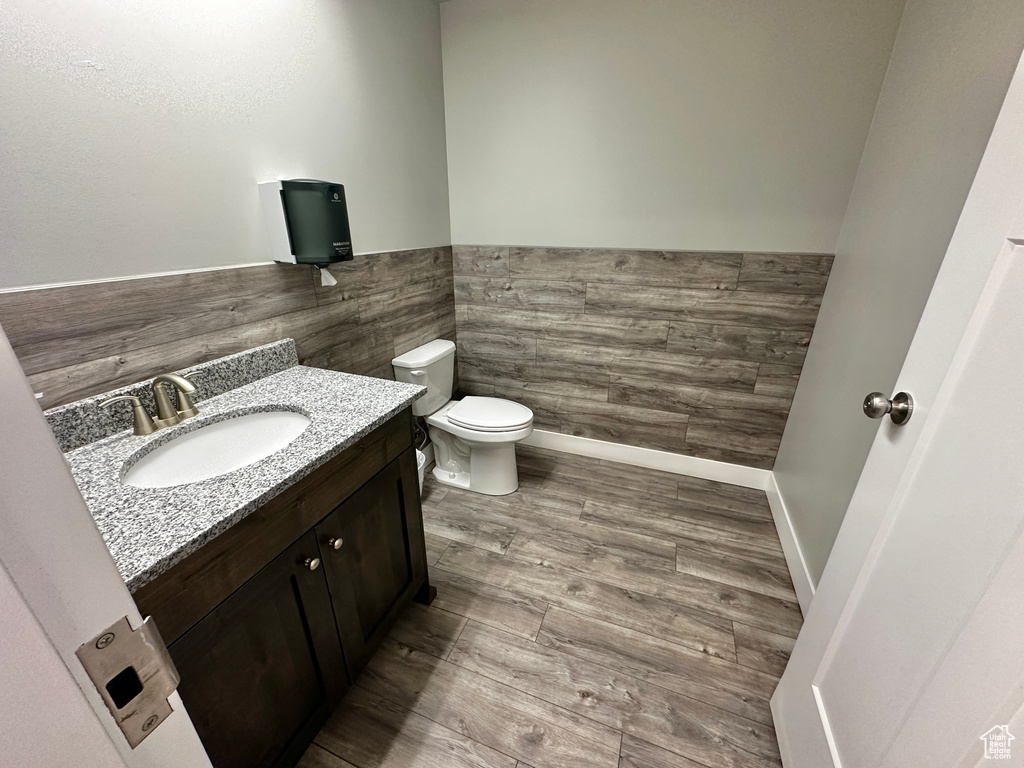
point(474, 438)
point(474, 443)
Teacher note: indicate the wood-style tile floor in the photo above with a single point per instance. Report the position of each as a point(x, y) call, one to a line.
point(603, 616)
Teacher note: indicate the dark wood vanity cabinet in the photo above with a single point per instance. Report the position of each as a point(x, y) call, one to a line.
point(260, 673)
point(270, 622)
point(370, 557)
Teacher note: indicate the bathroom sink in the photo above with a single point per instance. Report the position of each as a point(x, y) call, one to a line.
point(216, 449)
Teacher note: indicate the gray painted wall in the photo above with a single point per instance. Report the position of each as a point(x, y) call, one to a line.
point(134, 133)
point(950, 69)
point(663, 124)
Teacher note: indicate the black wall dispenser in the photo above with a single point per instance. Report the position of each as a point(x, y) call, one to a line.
point(307, 221)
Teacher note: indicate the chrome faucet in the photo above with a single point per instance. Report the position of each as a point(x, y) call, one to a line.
point(166, 414)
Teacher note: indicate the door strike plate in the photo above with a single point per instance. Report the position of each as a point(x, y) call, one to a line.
point(134, 674)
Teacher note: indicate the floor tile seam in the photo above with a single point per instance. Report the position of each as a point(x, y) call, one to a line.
point(506, 517)
point(621, 730)
point(779, 561)
point(537, 531)
point(651, 744)
point(544, 618)
point(329, 751)
point(618, 673)
point(654, 638)
point(656, 684)
point(413, 710)
point(755, 669)
point(747, 666)
point(448, 544)
point(569, 573)
point(747, 588)
point(567, 570)
point(589, 483)
point(462, 629)
point(519, 595)
point(671, 509)
point(723, 518)
point(675, 538)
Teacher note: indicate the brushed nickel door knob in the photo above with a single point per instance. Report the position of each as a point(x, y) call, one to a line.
point(335, 543)
point(876, 405)
point(312, 563)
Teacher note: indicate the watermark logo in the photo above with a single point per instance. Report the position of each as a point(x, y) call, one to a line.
point(997, 742)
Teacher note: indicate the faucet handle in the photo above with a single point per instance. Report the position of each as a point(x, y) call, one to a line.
point(186, 408)
point(143, 423)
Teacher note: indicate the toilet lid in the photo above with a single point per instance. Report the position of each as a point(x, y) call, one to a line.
point(490, 414)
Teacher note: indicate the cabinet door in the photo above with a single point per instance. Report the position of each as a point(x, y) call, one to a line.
point(260, 673)
point(374, 557)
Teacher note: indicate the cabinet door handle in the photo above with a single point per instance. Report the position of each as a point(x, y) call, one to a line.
point(335, 543)
point(312, 563)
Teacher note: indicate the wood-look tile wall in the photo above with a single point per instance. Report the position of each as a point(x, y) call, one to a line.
point(695, 353)
point(78, 340)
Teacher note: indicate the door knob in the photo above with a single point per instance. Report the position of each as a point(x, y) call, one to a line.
point(312, 563)
point(876, 405)
point(335, 543)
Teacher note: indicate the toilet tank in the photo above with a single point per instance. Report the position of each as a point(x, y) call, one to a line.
point(433, 366)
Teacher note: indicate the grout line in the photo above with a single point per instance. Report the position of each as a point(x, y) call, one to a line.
point(710, 614)
point(510, 543)
point(496, 682)
point(458, 734)
point(542, 620)
point(434, 564)
point(697, 763)
point(686, 650)
point(674, 538)
point(613, 672)
point(516, 595)
point(708, 609)
point(447, 656)
point(557, 705)
point(655, 681)
point(328, 750)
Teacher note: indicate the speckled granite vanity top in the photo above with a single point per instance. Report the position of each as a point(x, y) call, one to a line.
point(148, 530)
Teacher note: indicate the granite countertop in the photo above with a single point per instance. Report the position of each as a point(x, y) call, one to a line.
point(148, 530)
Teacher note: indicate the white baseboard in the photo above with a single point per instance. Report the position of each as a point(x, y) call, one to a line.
point(720, 471)
point(781, 731)
point(798, 570)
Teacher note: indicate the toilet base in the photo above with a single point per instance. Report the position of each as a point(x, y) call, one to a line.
point(488, 468)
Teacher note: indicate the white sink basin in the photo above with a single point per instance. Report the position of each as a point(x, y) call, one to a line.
point(217, 449)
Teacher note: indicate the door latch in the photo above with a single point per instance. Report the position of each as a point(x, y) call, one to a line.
point(134, 674)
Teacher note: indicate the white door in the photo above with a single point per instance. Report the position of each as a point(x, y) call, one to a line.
point(59, 587)
point(913, 647)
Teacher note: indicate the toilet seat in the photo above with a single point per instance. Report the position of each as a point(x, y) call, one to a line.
point(489, 414)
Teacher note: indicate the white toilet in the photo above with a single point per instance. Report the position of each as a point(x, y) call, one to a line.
point(474, 438)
